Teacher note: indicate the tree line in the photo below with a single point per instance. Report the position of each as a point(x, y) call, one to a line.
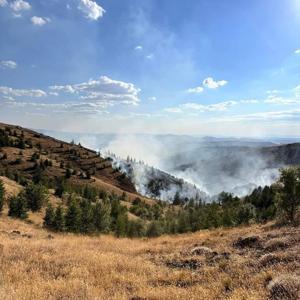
point(88, 210)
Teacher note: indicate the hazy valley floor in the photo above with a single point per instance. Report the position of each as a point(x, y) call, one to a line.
point(35, 265)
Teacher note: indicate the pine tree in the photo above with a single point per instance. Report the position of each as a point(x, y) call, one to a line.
point(36, 196)
point(135, 229)
point(68, 173)
point(60, 187)
point(18, 206)
point(101, 216)
point(153, 229)
point(2, 192)
point(121, 225)
point(59, 219)
point(183, 223)
point(49, 217)
point(289, 197)
point(86, 216)
point(73, 217)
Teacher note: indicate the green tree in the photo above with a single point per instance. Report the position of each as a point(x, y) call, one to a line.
point(135, 229)
point(36, 196)
point(245, 213)
point(183, 223)
point(2, 193)
point(59, 219)
point(86, 216)
point(73, 217)
point(153, 229)
point(49, 217)
point(18, 206)
point(68, 173)
point(101, 216)
point(289, 195)
point(121, 225)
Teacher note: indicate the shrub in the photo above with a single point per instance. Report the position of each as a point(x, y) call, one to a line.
point(49, 217)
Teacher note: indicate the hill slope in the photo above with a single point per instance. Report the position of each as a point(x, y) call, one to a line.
point(226, 265)
point(22, 151)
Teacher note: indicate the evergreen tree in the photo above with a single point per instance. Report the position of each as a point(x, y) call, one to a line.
point(121, 225)
point(153, 229)
point(68, 173)
point(36, 196)
point(135, 229)
point(60, 187)
point(59, 219)
point(37, 176)
point(73, 217)
point(183, 223)
point(18, 206)
point(2, 192)
point(49, 217)
point(86, 216)
point(289, 197)
point(245, 213)
point(101, 216)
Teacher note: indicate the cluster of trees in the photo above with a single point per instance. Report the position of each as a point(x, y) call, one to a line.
point(33, 198)
point(15, 141)
point(89, 210)
point(80, 215)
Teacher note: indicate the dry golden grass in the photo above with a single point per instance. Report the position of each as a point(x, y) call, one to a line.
point(12, 188)
point(36, 266)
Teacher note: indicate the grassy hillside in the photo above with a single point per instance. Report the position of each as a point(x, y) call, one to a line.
point(216, 264)
point(87, 166)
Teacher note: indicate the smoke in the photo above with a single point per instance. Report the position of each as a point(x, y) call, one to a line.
point(165, 165)
point(154, 183)
point(209, 166)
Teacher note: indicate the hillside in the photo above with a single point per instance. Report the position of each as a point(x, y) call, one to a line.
point(87, 166)
point(256, 262)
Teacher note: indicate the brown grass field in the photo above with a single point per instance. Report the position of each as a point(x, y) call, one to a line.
point(36, 265)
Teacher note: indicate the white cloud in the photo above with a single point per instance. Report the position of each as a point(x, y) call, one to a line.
point(212, 84)
point(8, 64)
point(281, 101)
point(103, 89)
point(152, 98)
point(196, 90)
point(91, 9)
point(271, 92)
point(3, 3)
point(249, 101)
point(173, 110)
point(39, 21)
point(265, 116)
point(150, 56)
point(297, 51)
point(222, 106)
point(19, 5)
point(297, 91)
point(138, 48)
point(10, 92)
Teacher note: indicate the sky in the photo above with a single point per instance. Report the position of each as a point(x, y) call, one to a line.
point(197, 67)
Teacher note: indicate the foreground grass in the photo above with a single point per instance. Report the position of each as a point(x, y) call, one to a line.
point(35, 265)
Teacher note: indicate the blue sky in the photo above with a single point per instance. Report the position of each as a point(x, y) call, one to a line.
point(153, 66)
